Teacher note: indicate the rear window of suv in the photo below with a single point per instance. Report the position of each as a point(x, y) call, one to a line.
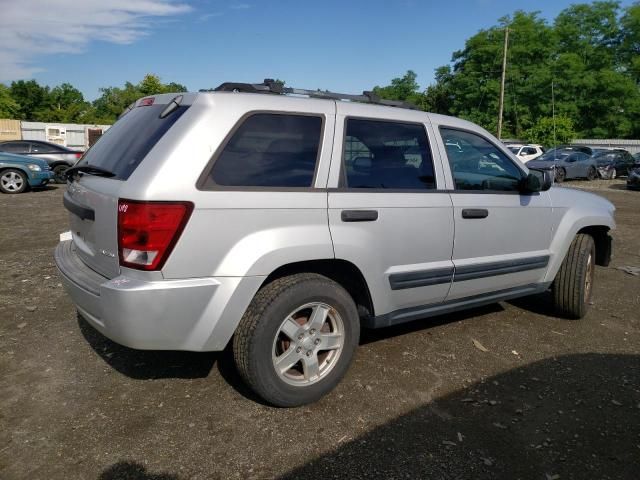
point(268, 150)
point(123, 146)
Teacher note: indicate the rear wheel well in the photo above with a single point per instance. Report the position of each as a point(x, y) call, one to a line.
point(340, 271)
point(600, 235)
point(58, 163)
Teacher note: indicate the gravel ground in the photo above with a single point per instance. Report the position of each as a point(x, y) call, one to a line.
point(548, 399)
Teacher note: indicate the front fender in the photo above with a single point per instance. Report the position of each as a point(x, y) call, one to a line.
point(572, 211)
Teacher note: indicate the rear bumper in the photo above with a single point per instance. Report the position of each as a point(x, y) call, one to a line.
point(196, 314)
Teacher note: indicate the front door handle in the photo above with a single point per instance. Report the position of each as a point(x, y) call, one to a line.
point(475, 213)
point(359, 215)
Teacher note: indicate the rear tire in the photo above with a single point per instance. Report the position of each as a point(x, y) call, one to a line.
point(613, 174)
point(573, 285)
point(592, 174)
point(561, 174)
point(59, 173)
point(296, 340)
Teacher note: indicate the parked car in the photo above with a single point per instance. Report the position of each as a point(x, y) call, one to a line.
point(633, 179)
point(57, 156)
point(526, 152)
point(298, 221)
point(18, 173)
point(636, 158)
point(569, 162)
point(612, 163)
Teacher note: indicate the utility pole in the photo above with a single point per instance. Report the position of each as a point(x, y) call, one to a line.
point(504, 74)
point(553, 110)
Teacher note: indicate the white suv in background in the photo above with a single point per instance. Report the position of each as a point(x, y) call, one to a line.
point(526, 152)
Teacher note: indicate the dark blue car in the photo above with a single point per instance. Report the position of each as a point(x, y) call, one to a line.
point(569, 162)
point(18, 172)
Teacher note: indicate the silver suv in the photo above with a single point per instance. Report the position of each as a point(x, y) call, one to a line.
point(282, 225)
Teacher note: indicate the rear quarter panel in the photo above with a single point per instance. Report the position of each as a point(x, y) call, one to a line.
point(235, 232)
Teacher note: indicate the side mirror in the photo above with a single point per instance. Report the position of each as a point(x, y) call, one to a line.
point(538, 180)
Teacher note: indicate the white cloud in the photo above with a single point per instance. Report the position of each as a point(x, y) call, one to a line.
point(207, 16)
point(240, 6)
point(33, 28)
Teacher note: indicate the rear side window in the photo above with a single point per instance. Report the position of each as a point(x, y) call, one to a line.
point(390, 155)
point(269, 150)
point(123, 146)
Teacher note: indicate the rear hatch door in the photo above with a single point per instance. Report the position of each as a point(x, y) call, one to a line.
point(93, 192)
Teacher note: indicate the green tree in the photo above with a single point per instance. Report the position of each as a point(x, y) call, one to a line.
point(64, 103)
point(551, 132)
point(585, 66)
point(9, 108)
point(113, 100)
point(629, 50)
point(404, 88)
point(473, 87)
point(439, 97)
point(30, 96)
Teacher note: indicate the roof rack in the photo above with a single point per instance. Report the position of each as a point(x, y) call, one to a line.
point(271, 86)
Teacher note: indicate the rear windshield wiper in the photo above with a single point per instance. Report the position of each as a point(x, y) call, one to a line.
point(90, 169)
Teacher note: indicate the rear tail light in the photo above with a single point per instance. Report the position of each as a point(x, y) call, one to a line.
point(147, 231)
point(78, 155)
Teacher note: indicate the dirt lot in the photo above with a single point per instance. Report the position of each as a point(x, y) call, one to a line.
point(550, 399)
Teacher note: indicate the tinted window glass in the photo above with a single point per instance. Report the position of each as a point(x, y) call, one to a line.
point(270, 150)
point(477, 164)
point(121, 149)
point(44, 148)
point(15, 147)
point(380, 154)
point(529, 151)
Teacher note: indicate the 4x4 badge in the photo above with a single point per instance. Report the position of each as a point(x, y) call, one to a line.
point(108, 254)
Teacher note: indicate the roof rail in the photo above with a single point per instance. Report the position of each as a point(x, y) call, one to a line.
point(271, 86)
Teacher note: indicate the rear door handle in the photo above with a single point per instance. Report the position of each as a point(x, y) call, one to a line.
point(475, 213)
point(359, 215)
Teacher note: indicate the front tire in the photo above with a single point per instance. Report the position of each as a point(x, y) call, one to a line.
point(592, 174)
point(561, 174)
point(613, 174)
point(573, 285)
point(13, 181)
point(296, 340)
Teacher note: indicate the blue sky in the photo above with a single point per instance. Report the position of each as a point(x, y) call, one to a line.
point(344, 45)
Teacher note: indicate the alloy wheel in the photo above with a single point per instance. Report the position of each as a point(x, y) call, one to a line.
point(307, 344)
point(588, 279)
point(12, 181)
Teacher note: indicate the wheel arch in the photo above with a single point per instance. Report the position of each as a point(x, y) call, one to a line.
point(57, 163)
point(343, 272)
point(599, 231)
point(602, 240)
point(15, 167)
